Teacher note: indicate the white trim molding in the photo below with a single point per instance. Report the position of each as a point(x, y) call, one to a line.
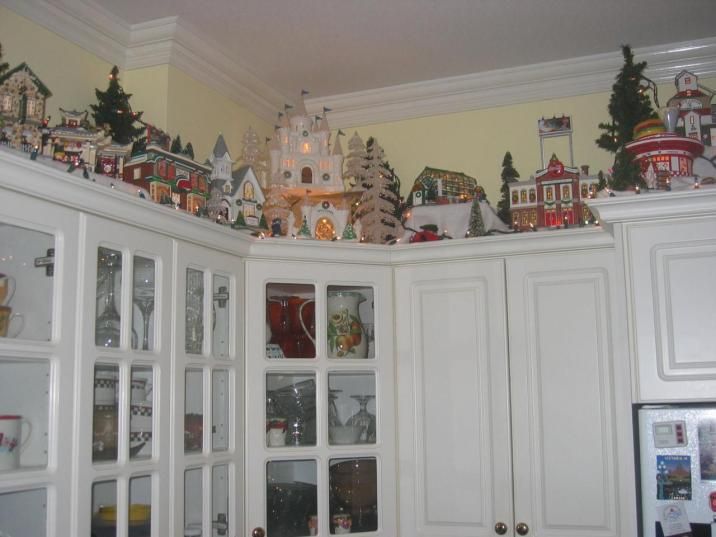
point(550, 80)
point(172, 41)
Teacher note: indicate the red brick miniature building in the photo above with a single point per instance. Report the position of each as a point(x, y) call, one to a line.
point(553, 197)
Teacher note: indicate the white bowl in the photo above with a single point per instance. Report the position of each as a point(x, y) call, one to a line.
point(345, 434)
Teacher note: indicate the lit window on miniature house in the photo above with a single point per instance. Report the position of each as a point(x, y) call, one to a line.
point(6, 103)
point(325, 165)
point(307, 175)
point(227, 188)
point(533, 195)
point(137, 173)
point(249, 210)
point(584, 190)
point(566, 192)
point(515, 197)
point(523, 196)
point(305, 147)
point(248, 191)
point(549, 193)
point(31, 107)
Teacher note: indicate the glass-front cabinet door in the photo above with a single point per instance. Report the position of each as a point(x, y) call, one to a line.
point(320, 402)
point(208, 376)
point(125, 365)
point(38, 285)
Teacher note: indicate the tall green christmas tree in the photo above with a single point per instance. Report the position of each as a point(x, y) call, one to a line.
point(509, 175)
point(113, 110)
point(628, 106)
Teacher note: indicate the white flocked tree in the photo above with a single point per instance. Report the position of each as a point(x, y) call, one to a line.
point(376, 208)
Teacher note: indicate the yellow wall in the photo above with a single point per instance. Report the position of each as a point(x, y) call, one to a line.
point(475, 142)
point(71, 73)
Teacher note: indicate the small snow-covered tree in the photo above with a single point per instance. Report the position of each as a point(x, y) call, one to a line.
point(277, 207)
point(476, 226)
point(356, 162)
point(376, 208)
point(251, 152)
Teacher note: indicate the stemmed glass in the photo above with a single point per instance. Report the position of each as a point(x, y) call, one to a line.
point(364, 419)
point(107, 324)
point(144, 294)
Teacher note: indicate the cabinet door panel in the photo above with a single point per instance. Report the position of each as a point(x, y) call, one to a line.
point(564, 333)
point(673, 308)
point(453, 399)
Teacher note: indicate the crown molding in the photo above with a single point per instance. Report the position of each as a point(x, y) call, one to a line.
point(85, 24)
point(157, 42)
point(171, 41)
point(549, 80)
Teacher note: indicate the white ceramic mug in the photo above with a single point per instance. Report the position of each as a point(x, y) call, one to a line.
point(7, 289)
point(105, 388)
point(11, 443)
point(141, 390)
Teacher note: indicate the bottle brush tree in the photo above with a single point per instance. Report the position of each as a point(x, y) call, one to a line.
point(509, 175)
point(628, 106)
point(114, 112)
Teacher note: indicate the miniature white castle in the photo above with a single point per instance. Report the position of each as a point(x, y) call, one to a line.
point(301, 155)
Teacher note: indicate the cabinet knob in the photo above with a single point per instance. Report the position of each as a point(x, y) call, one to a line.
point(258, 532)
point(500, 528)
point(522, 528)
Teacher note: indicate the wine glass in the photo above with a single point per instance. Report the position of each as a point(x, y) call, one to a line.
point(144, 294)
point(364, 419)
point(107, 324)
point(333, 419)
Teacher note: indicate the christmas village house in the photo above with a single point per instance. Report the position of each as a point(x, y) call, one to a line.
point(73, 141)
point(234, 196)
point(697, 117)
point(169, 178)
point(554, 197)
point(442, 187)
point(22, 108)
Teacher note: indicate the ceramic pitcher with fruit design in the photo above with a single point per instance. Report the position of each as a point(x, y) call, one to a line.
point(346, 337)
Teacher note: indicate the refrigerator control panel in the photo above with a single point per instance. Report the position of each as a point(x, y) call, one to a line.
point(670, 434)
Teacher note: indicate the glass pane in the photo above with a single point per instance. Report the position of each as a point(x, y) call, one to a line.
point(193, 411)
point(350, 322)
point(194, 315)
point(291, 497)
point(193, 502)
point(353, 495)
point(143, 293)
point(141, 412)
point(109, 283)
point(105, 424)
point(351, 408)
point(104, 509)
point(26, 283)
point(220, 410)
point(290, 409)
point(221, 311)
point(290, 321)
point(139, 518)
point(25, 403)
point(23, 513)
point(220, 499)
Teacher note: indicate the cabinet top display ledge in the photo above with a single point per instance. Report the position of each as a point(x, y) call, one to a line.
point(25, 177)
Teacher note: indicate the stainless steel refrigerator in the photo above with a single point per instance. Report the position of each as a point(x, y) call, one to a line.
point(677, 470)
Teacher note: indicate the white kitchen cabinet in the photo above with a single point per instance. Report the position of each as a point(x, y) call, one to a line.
point(320, 391)
point(668, 247)
point(127, 364)
point(514, 410)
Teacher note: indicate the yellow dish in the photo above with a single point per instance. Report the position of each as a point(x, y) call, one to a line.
point(138, 512)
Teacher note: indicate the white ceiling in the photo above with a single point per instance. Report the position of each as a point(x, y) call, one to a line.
point(338, 46)
point(335, 48)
